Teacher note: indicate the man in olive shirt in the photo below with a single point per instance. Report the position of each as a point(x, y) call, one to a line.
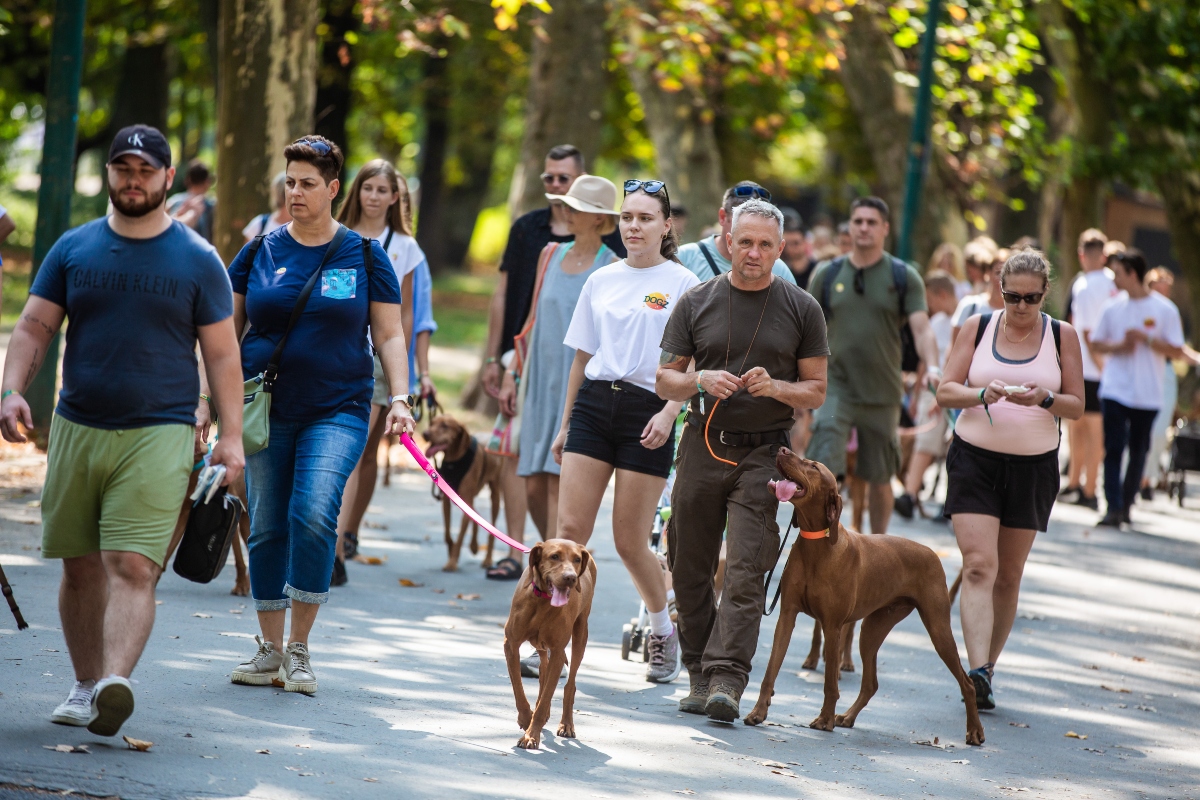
point(758, 346)
point(865, 384)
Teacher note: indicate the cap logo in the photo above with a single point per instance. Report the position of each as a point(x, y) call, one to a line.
point(136, 140)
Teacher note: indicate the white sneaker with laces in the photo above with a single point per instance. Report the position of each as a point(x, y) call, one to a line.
point(77, 708)
point(296, 671)
point(260, 670)
point(112, 704)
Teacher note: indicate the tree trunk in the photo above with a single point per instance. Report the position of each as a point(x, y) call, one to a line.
point(268, 79)
point(143, 94)
point(333, 75)
point(884, 109)
point(686, 153)
point(1181, 194)
point(566, 92)
point(431, 213)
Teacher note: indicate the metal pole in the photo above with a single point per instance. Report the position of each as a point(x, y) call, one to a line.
point(918, 148)
point(58, 178)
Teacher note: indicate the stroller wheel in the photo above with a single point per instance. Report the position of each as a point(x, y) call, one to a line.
point(626, 640)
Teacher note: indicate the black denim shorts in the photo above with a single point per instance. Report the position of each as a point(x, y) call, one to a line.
point(607, 421)
point(1018, 490)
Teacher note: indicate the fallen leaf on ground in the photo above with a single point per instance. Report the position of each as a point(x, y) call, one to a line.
point(66, 748)
point(293, 769)
point(787, 773)
point(410, 584)
point(961, 761)
point(202, 615)
point(1016, 788)
point(263, 752)
point(172, 637)
point(467, 596)
point(236, 611)
point(775, 764)
point(158, 602)
point(307, 774)
point(443, 591)
point(684, 791)
point(1138, 658)
point(378, 526)
point(137, 744)
point(305, 746)
point(777, 724)
point(208, 756)
point(374, 561)
point(1115, 689)
point(1091, 666)
point(1018, 724)
point(773, 739)
point(1093, 750)
point(934, 743)
point(371, 780)
point(1151, 709)
point(1074, 735)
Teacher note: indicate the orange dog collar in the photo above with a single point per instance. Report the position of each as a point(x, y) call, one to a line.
point(815, 534)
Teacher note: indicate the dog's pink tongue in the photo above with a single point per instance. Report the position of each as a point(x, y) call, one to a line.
point(559, 597)
point(784, 490)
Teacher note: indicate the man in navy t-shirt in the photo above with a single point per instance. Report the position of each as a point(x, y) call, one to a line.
point(141, 289)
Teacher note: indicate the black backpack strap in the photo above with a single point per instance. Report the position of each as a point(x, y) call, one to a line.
point(387, 241)
point(1056, 330)
point(272, 370)
point(831, 273)
point(900, 280)
point(984, 321)
point(255, 243)
point(368, 260)
point(708, 257)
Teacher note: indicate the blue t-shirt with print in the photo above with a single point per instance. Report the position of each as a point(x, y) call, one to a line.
point(423, 322)
point(133, 306)
point(326, 365)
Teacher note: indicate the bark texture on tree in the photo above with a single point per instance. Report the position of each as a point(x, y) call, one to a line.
point(436, 107)
point(686, 152)
point(143, 94)
point(565, 103)
point(267, 73)
point(884, 109)
point(334, 71)
point(1181, 195)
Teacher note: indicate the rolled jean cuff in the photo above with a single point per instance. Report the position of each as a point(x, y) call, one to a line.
point(316, 598)
point(272, 605)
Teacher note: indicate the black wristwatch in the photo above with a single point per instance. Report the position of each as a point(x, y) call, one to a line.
point(1049, 401)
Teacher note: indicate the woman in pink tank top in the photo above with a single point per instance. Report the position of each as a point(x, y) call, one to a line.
point(1015, 373)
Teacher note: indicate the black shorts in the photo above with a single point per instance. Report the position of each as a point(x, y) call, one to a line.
point(1091, 397)
point(1018, 490)
point(607, 421)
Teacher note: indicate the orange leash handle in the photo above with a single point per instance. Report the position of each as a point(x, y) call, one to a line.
point(709, 446)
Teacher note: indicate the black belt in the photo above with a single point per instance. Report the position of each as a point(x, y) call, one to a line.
point(620, 386)
point(731, 439)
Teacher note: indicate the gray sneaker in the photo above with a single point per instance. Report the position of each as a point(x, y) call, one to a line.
point(694, 702)
point(77, 708)
point(260, 670)
point(296, 671)
point(531, 666)
point(664, 658)
point(112, 704)
point(723, 702)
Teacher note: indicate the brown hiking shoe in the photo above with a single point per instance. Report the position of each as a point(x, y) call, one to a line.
point(723, 699)
point(694, 702)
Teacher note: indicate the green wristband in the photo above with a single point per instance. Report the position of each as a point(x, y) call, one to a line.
point(7, 393)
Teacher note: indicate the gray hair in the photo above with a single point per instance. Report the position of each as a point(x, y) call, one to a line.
point(278, 190)
point(758, 208)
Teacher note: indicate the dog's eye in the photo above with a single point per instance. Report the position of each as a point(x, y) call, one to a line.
point(556, 557)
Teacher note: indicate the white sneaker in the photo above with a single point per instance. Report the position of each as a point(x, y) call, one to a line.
point(112, 704)
point(296, 671)
point(77, 708)
point(260, 670)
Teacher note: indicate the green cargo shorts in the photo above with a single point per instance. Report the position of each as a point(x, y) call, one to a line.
point(114, 490)
point(878, 457)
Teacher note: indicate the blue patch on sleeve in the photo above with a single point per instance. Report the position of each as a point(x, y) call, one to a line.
point(339, 284)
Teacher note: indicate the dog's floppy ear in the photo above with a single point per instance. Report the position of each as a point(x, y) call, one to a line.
point(833, 513)
point(585, 557)
point(535, 556)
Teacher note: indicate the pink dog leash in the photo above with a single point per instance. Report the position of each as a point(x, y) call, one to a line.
point(432, 472)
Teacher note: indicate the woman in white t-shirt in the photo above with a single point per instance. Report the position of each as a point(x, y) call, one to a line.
point(377, 206)
point(612, 417)
point(279, 216)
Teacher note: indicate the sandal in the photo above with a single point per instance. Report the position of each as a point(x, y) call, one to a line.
point(506, 569)
point(350, 544)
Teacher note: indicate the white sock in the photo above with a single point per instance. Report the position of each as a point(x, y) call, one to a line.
point(660, 623)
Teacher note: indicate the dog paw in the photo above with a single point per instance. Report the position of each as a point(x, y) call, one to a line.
point(756, 717)
point(241, 589)
point(528, 742)
point(809, 663)
point(566, 731)
point(847, 666)
point(474, 545)
point(975, 738)
point(451, 566)
point(524, 718)
point(487, 564)
point(843, 721)
point(822, 724)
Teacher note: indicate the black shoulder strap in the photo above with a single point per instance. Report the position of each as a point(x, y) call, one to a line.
point(262, 223)
point(368, 258)
point(984, 321)
point(708, 257)
point(255, 243)
point(387, 242)
point(1056, 330)
point(831, 273)
point(900, 279)
point(272, 370)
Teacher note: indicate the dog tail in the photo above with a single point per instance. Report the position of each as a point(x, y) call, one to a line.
point(954, 587)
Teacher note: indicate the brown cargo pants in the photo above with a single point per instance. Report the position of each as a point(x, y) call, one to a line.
point(708, 498)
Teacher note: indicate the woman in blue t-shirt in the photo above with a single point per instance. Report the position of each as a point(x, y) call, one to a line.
point(320, 404)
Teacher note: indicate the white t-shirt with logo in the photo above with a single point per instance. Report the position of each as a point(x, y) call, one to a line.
point(620, 318)
point(1136, 379)
point(1090, 292)
point(405, 254)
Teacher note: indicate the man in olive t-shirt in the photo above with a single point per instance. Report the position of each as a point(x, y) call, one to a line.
point(759, 352)
point(865, 384)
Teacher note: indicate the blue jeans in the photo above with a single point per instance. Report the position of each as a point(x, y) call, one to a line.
point(1124, 427)
point(295, 491)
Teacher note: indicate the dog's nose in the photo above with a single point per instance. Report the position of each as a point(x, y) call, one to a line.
point(570, 578)
point(783, 451)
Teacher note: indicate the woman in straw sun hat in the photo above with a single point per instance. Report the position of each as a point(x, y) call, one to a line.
point(562, 270)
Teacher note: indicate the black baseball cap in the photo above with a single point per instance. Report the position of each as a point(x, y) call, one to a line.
point(143, 141)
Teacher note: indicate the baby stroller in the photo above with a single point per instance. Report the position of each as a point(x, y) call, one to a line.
point(1185, 458)
point(635, 634)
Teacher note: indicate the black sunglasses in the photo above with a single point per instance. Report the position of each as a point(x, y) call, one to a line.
point(549, 177)
point(321, 148)
point(860, 281)
point(649, 187)
point(752, 191)
point(1013, 298)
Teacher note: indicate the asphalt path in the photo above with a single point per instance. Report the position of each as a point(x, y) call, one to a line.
point(414, 698)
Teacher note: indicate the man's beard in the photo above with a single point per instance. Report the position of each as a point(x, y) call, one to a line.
point(138, 208)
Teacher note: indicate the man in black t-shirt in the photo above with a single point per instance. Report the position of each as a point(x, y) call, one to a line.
point(757, 350)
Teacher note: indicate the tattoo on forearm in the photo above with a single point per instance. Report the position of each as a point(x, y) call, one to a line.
point(34, 364)
point(35, 321)
point(666, 359)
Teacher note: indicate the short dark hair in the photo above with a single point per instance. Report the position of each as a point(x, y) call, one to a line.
point(1092, 239)
point(559, 152)
point(792, 221)
point(197, 173)
point(678, 210)
point(871, 201)
point(731, 200)
point(328, 164)
point(1132, 259)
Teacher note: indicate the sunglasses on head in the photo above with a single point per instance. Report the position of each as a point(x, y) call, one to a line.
point(1014, 298)
point(860, 281)
point(649, 187)
point(549, 177)
point(752, 191)
point(321, 148)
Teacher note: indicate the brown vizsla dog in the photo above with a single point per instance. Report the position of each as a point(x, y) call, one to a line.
point(449, 436)
point(550, 607)
point(838, 576)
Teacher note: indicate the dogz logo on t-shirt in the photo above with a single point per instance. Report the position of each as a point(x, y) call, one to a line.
point(657, 300)
point(339, 284)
